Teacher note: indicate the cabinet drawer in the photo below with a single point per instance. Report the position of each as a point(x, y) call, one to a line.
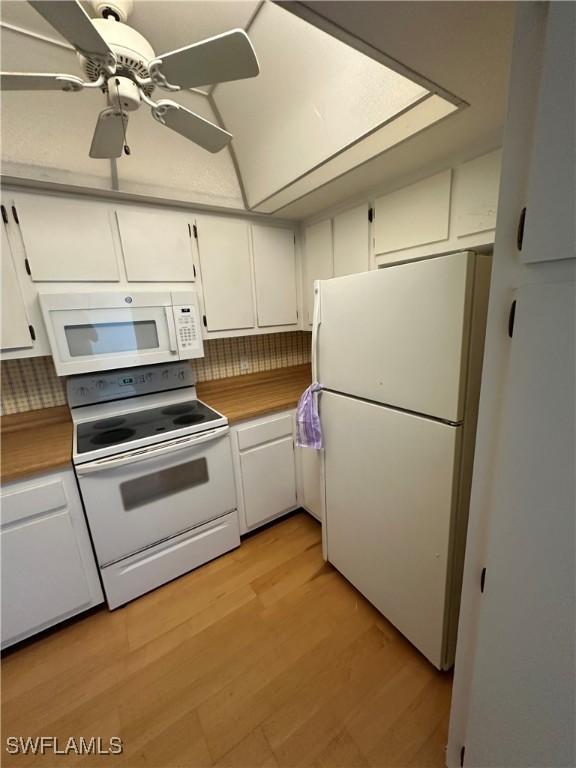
point(248, 437)
point(25, 502)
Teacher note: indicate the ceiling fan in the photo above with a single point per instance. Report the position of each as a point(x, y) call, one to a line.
point(121, 63)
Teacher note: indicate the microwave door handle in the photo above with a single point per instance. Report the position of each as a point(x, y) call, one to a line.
point(152, 452)
point(171, 329)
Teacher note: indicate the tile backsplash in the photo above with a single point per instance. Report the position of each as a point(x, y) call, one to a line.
point(31, 383)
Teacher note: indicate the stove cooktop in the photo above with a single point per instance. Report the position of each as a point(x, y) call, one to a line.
point(151, 422)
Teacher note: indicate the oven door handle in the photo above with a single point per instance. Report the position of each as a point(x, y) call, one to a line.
point(171, 325)
point(151, 452)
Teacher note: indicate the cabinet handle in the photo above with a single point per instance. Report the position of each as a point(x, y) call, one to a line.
point(520, 232)
point(32, 332)
point(15, 214)
point(4, 214)
point(194, 270)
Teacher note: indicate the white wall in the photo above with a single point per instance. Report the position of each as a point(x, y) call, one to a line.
point(508, 273)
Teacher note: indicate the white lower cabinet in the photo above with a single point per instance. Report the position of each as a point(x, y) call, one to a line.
point(265, 467)
point(48, 568)
point(309, 473)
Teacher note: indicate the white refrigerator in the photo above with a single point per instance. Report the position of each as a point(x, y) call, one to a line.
point(398, 352)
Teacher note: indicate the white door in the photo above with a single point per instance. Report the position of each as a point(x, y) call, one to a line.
point(399, 335)
point(66, 239)
point(48, 569)
point(268, 480)
point(318, 260)
point(351, 241)
point(310, 472)
point(275, 275)
point(15, 326)
point(389, 498)
point(133, 501)
point(550, 199)
point(224, 249)
point(157, 245)
point(522, 707)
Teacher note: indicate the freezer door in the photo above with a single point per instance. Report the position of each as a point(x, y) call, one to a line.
point(389, 501)
point(399, 335)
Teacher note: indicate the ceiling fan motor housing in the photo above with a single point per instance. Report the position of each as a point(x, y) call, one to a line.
point(132, 51)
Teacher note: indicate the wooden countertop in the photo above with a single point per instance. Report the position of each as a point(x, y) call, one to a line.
point(256, 394)
point(35, 441)
point(40, 441)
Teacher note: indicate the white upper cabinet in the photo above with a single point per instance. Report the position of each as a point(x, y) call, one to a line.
point(550, 201)
point(67, 239)
point(477, 185)
point(414, 215)
point(15, 325)
point(224, 248)
point(351, 241)
point(275, 275)
point(318, 260)
point(157, 245)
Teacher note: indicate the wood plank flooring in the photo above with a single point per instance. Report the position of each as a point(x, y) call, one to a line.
point(264, 657)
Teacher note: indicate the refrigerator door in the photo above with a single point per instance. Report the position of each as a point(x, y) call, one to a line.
point(390, 480)
point(399, 335)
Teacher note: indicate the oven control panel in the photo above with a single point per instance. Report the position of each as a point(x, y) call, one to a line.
point(188, 332)
point(90, 388)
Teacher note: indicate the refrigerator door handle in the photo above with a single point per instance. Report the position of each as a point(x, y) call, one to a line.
point(316, 321)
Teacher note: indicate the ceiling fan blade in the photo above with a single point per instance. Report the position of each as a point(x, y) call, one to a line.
point(229, 56)
point(39, 81)
point(108, 139)
point(71, 20)
point(191, 126)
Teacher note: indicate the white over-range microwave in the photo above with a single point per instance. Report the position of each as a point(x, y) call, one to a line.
point(112, 329)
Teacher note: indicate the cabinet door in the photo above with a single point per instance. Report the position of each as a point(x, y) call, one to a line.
point(268, 480)
point(48, 570)
point(351, 241)
point(476, 188)
point(310, 465)
point(550, 201)
point(414, 215)
point(15, 326)
point(156, 245)
point(67, 239)
point(318, 260)
point(223, 245)
point(275, 275)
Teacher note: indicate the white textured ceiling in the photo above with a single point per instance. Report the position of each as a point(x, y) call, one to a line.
point(463, 46)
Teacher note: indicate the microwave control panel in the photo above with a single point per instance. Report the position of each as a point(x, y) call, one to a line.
point(188, 331)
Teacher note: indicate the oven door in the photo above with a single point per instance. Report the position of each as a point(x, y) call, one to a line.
point(97, 339)
point(148, 495)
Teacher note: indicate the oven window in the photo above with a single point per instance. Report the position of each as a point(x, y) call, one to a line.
point(157, 485)
point(88, 340)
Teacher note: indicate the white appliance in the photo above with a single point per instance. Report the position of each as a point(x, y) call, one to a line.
point(399, 353)
point(154, 467)
point(110, 329)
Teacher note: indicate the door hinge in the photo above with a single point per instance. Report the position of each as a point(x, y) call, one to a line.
point(482, 579)
point(15, 214)
point(194, 270)
point(511, 319)
point(195, 230)
point(520, 230)
point(462, 753)
point(27, 267)
point(32, 332)
point(370, 214)
point(4, 214)
point(204, 321)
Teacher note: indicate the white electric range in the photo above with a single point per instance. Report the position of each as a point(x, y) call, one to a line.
point(154, 466)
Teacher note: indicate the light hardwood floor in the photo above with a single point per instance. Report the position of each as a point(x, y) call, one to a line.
point(264, 657)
